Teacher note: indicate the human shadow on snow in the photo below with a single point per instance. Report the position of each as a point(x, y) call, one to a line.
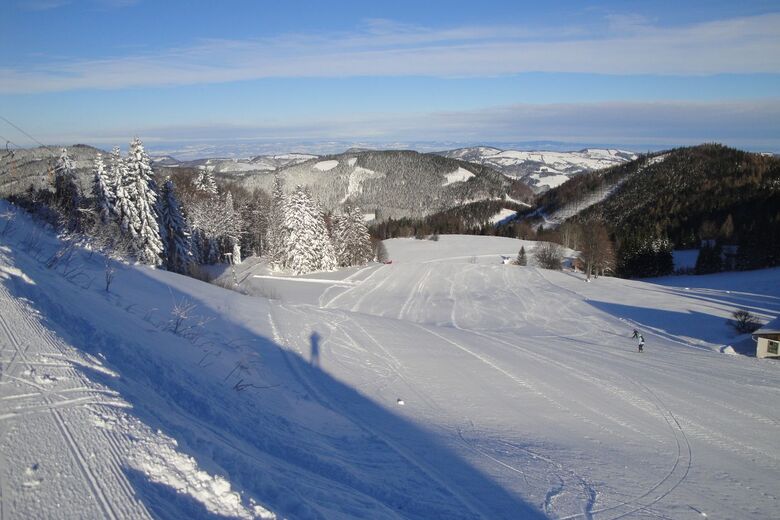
point(309, 447)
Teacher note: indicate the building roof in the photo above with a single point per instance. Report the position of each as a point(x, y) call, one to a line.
point(773, 327)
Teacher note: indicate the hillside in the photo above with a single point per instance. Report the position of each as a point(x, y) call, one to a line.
point(542, 170)
point(393, 184)
point(444, 385)
point(260, 163)
point(687, 194)
point(31, 166)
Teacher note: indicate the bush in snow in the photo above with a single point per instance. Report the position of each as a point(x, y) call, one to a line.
point(744, 322)
point(549, 255)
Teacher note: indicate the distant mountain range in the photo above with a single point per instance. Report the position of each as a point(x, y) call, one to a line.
point(541, 170)
point(391, 184)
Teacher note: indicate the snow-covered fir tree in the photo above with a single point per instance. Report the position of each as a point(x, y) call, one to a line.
point(67, 193)
point(275, 237)
point(205, 182)
point(521, 257)
point(174, 230)
point(142, 193)
point(351, 240)
point(206, 218)
point(232, 228)
point(307, 247)
point(102, 191)
point(124, 208)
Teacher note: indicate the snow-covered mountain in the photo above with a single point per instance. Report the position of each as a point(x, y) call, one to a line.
point(260, 163)
point(541, 170)
point(393, 184)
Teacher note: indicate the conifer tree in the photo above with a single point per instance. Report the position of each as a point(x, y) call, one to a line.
point(67, 193)
point(710, 259)
point(232, 228)
point(123, 205)
point(142, 193)
point(102, 191)
point(351, 240)
point(521, 257)
point(175, 231)
point(275, 236)
point(205, 182)
point(308, 247)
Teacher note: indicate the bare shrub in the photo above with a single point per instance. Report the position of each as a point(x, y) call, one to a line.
point(184, 322)
point(549, 255)
point(744, 322)
point(110, 272)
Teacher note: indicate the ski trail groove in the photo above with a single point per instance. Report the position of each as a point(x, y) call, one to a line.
point(324, 401)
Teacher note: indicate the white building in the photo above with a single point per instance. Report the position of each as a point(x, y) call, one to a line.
point(768, 340)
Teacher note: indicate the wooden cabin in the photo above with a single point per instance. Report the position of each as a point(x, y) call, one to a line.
point(768, 340)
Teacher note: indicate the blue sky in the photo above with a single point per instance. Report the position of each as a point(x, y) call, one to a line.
point(308, 75)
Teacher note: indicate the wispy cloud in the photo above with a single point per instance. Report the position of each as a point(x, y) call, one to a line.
point(751, 124)
point(42, 5)
point(47, 5)
point(383, 48)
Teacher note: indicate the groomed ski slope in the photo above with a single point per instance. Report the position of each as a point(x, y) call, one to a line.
point(523, 396)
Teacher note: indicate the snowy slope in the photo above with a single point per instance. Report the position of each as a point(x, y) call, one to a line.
point(542, 170)
point(523, 396)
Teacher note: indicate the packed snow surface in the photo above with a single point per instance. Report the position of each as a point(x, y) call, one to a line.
point(523, 394)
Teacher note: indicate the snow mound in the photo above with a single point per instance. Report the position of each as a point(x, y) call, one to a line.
point(325, 166)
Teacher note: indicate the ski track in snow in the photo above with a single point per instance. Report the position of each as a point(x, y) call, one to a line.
point(524, 378)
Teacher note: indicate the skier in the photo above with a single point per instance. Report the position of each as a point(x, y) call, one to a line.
point(641, 343)
point(636, 334)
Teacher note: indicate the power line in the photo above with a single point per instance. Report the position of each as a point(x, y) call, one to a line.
point(8, 141)
point(28, 135)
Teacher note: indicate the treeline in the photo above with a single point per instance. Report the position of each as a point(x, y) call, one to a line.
point(708, 193)
point(185, 219)
point(469, 219)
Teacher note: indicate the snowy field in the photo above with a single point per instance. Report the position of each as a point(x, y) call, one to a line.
point(443, 385)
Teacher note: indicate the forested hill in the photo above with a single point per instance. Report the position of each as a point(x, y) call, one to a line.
point(20, 168)
point(708, 191)
point(394, 183)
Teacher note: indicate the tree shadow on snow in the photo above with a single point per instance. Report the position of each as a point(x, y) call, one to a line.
point(309, 447)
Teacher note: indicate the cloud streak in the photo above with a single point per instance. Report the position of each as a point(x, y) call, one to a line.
point(382, 48)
